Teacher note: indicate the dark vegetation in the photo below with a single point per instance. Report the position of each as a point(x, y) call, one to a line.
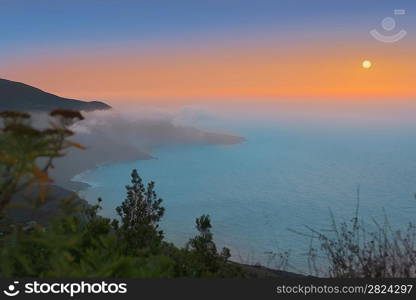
point(77, 242)
point(358, 248)
point(350, 250)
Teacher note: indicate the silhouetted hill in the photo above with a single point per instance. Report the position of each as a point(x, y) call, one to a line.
point(23, 97)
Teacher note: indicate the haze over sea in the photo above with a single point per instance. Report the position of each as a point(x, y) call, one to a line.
point(292, 168)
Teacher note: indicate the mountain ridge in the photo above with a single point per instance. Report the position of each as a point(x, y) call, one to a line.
point(23, 97)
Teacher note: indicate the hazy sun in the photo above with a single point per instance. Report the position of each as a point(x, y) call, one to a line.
point(366, 64)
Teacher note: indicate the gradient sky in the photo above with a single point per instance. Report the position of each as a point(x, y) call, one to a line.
point(173, 51)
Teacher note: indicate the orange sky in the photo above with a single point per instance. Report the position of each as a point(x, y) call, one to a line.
point(320, 70)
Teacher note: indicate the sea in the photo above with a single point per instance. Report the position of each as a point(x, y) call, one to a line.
point(265, 194)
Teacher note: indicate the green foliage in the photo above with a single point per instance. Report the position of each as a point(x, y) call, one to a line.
point(69, 247)
point(89, 246)
point(200, 257)
point(140, 214)
point(204, 247)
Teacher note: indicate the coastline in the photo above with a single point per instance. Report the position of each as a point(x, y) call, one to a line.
point(76, 185)
point(98, 154)
point(112, 137)
point(66, 179)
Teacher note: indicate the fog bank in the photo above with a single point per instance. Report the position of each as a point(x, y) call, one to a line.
point(112, 136)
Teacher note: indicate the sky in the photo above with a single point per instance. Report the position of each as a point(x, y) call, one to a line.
point(187, 51)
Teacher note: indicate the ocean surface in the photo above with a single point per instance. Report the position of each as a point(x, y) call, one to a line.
point(283, 177)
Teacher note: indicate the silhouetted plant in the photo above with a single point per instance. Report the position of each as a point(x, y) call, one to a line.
point(140, 214)
point(350, 249)
point(27, 153)
point(71, 246)
point(202, 255)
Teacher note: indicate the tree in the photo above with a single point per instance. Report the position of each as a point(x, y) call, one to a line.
point(140, 214)
point(205, 259)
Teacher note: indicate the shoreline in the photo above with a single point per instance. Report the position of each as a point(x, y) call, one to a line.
point(78, 186)
point(75, 164)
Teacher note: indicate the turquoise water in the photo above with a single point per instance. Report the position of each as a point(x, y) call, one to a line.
point(283, 177)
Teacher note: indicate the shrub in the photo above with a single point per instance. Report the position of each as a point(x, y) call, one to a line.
point(69, 247)
point(351, 250)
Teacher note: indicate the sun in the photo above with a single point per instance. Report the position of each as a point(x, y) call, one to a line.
point(367, 64)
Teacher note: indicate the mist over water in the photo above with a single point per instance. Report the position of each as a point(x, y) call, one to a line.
point(294, 166)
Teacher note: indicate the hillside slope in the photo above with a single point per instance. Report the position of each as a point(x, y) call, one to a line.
point(23, 97)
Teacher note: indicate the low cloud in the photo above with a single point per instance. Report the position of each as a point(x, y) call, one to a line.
point(122, 136)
